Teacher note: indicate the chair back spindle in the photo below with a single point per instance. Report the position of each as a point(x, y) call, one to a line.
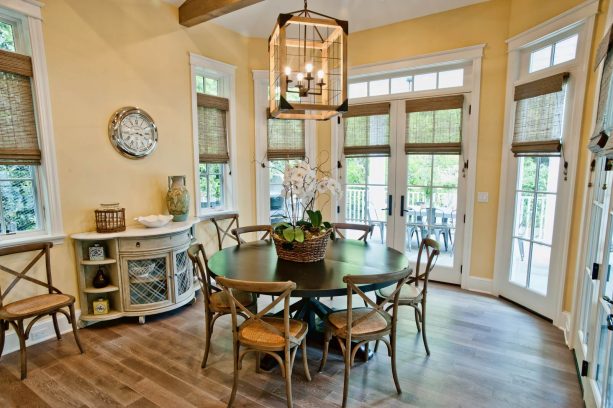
point(266, 229)
point(225, 232)
point(365, 229)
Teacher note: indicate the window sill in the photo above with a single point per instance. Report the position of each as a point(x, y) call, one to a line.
point(8, 241)
point(205, 216)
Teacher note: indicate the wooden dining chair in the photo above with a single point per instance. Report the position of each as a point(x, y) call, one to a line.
point(265, 334)
point(216, 302)
point(411, 294)
point(224, 232)
point(266, 229)
point(365, 324)
point(341, 226)
point(34, 307)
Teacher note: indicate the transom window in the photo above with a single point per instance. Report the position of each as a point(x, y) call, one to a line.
point(7, 36)
point(397, 84)
point(553, 54)
point(207, 85)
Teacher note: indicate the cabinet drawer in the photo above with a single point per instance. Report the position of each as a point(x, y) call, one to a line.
point(154, 243)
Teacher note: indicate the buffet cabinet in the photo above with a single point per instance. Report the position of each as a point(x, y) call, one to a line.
point(148, 272)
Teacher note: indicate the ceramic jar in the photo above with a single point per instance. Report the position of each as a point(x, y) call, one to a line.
point(177, 198)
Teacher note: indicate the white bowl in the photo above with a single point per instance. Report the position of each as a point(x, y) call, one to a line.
point(154, 221)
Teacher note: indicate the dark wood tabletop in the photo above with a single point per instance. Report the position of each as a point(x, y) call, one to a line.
point(257, 261)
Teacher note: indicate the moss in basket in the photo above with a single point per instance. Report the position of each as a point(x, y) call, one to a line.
point(304, 230)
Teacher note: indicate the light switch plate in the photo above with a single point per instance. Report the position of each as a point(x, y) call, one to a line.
point(483, 197)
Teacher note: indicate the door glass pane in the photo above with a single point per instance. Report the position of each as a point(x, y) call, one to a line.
point(527, 173)
point(523, 214)
point(548, 174)
point(539, 268)
point(601, 351)
point(519, 261)
point(586, 302)
point(609, 265)
point(432, 196)
point(366, 194)
point(544, 217)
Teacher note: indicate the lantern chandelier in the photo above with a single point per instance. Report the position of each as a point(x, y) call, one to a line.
point(308, 66)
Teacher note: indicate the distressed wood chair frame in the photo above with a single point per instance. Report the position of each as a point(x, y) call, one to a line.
point(291, 344)
point(17, 321)
point(200, 262)
point(348, 349)
point(366, 229)
point(225, 232)
point(266, 229)
point(432, 250)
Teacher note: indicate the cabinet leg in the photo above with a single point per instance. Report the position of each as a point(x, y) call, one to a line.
point(141, 319)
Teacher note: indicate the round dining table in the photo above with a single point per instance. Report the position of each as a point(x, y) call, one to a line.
point(258, 262)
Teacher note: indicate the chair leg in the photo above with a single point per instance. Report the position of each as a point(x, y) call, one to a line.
point(305, 361)
point(2, 334)
point(22, 349)
point(324, 358)
point(258, 360)
point(393, 356)
point(56, 326)
point(376, 346)
point(288, 378)
point(75, 330)
point(366, 351)
point(423, 327)
point(207, 338)
point(417, 319)
point(347, 372)
point(235, 382)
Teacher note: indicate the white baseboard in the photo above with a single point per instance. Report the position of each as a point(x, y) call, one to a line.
point(41, 331)
point(562, 322)
point(477, 284)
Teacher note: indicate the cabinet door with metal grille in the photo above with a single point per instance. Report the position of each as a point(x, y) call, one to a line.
point(148, 281)
point(183, 276)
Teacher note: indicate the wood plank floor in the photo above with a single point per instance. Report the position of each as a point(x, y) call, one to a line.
point(485, 353)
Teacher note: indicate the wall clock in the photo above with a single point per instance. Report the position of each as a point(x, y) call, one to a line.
point(133, 132)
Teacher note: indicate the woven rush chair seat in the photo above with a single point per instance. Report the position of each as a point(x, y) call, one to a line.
point(35, 305)
point(220, 303)
point(256, 333)
point(408, 293)
point(376, 322)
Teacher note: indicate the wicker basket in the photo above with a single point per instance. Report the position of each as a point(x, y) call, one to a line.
point(311, 250)
point(110, 220)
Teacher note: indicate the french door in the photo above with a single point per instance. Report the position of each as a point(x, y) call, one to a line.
point(408, 197)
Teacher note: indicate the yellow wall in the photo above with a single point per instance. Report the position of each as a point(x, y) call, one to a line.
point(103, 55)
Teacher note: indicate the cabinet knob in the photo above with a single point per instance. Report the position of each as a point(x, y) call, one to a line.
point(138, 245)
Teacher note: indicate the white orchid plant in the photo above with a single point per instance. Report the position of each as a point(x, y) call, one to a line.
point(301, 188)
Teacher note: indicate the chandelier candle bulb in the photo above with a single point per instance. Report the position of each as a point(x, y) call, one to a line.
point(288, 71)
point(309, 68)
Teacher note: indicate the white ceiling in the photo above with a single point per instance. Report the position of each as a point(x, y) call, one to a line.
point(258, 20)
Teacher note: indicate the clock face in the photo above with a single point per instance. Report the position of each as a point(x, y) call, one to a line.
point(133, 132)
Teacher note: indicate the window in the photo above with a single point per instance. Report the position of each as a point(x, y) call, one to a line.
point(214, 134)
point(424, 81)
point(278, 143)
point(22, 173)
point(553, 54)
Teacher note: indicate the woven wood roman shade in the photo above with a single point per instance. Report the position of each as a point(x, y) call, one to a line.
point(604, 125)
point(212, 129)
point(538, 117)
point(285, 139)
point(367, 130)
point(18, 135)
point(434, 125)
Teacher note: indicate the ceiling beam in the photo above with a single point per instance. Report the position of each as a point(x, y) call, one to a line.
point(194, 12)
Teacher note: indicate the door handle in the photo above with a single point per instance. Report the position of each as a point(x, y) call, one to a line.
point(402, 206)
point(607, 299)
point(389, 205)
point(610, 322)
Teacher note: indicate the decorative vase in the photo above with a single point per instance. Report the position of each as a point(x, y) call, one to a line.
point(177, 198)
point(310, 250)
point(100, 280)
